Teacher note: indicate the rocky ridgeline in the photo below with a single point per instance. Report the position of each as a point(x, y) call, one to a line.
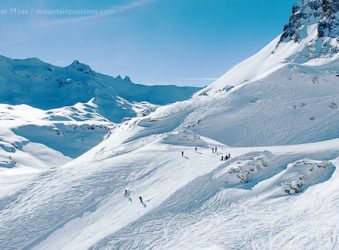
point(323, 13)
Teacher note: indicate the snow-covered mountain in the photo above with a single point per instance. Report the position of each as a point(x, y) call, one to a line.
point(67, 111)
point(310, 38)
point(41, 85)
point(290, 87)
point(276, 114)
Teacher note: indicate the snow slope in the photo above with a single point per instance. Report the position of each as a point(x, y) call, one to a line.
point(193, 197)
point(312, 33)
point(33, 139)
point(64, 112)
point(285, 94)
point(276, 114)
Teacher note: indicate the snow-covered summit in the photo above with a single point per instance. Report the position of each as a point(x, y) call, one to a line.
point(287, 93)
point(323, 14)
point(320, 12)
point(311, 36)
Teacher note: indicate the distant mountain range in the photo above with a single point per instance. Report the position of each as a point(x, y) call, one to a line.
point(44, 86)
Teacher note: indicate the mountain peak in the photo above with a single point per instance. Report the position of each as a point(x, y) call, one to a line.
point(126, 78)
point(320, 12)
point(311, 33)
point(316, 18)
point(81, 67)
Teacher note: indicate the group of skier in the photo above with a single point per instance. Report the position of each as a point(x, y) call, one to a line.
point(214, 150)
point(223, 158)
point(226, 157)
point(128, 196)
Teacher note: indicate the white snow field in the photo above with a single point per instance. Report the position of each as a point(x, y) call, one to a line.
point(196, 201)
point(64, 169)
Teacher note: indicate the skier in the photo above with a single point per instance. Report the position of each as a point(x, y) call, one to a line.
point(213, 150)
point(127, 195)
point(196, 149)
point(140, 198)
point(222, 158)
point(226, 157)
point(229, 155)
point(182, 153)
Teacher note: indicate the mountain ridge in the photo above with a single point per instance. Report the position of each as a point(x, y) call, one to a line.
point(42, 85)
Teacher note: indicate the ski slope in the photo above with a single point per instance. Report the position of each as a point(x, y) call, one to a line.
point(77, 207)
point(292, 105)
point(64, 169)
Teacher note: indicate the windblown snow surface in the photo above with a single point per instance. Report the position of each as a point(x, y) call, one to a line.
point(276, 114)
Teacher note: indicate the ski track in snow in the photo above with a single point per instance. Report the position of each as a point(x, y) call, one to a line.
point(55, 194)
point(212, 211)
point(68, 208)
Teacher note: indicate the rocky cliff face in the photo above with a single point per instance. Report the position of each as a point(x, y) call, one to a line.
point(328, 25)
point(321, 12)
point(323, 16)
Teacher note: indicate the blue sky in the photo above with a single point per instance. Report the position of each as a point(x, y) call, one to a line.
point(184, 42)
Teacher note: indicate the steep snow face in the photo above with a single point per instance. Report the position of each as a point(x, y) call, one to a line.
point(312, 33)
point(293, 104)
point(285, 94)
point(45, 86)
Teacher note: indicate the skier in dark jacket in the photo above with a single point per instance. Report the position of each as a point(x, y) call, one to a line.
point(222, 158)
point(182, 153)
point(140, 198)
point(127, 195)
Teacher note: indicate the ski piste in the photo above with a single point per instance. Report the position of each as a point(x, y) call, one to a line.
point(275, 113)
